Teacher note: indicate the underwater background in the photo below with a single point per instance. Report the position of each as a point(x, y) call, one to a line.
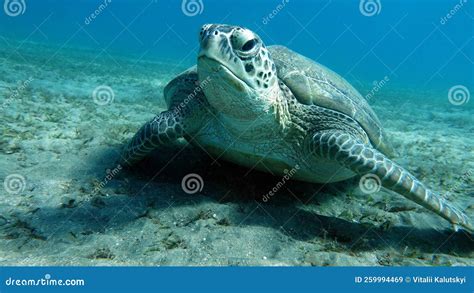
point(413, 42)
point(78, 79)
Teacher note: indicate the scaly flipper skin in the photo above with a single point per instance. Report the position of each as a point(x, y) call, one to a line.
point(162, 130)
point(188, 112)
point(363, 159)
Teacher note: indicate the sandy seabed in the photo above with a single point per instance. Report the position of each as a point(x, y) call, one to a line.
point(68, 203)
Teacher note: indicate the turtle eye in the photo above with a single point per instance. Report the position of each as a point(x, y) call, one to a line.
point(245, 43)
point(249, 45)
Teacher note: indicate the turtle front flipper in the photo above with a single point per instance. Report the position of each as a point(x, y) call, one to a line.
point(363, 159)
point(162, 130)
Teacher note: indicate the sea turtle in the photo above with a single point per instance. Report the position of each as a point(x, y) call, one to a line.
point(273, 109)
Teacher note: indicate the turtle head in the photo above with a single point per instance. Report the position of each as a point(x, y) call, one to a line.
point(241, 75)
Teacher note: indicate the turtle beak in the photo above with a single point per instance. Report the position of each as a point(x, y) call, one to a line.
point(205, 34)
point(208, 41)
point(211, 32)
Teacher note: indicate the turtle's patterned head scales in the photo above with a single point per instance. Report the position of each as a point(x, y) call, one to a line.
point(238, 62)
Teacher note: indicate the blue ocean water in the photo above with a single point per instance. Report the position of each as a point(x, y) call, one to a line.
point(424, 44)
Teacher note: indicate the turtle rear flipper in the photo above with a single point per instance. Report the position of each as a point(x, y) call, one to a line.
point(363, 159)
